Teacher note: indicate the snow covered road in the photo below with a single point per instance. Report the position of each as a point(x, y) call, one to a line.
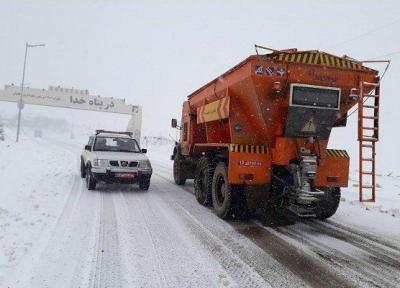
point(328, 253)
point(122, 237)
point(119, 236)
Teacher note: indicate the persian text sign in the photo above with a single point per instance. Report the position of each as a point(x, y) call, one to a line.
point(67, 98)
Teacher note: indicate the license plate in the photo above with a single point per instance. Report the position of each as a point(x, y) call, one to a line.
point(125, 175)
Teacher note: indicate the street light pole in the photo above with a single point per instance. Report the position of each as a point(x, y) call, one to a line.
point(20, 103)
point(21, 92)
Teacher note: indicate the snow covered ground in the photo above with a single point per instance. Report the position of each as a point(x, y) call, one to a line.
point(55, 233)
point(33, 175)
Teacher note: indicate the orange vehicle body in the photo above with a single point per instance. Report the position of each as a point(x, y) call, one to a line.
point(255, 139)
point(245, 112)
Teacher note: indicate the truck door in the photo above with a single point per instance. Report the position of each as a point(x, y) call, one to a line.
point(185, 132)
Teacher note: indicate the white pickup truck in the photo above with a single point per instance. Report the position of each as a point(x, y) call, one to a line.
point(115, 157)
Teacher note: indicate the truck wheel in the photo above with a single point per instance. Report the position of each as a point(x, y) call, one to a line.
point(329, 203)
point(203, 181)
point(144, 183)
point(222, 192)
point(179, 174)
point(90, 181)
point(83, 169)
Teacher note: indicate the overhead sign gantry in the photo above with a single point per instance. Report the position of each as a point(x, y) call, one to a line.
point(75, 99)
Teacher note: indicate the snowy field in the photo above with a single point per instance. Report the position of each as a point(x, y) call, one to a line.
point(55, 233)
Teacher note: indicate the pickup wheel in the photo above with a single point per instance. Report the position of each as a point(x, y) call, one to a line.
point(90, 181)
point(144, 183)
point(83, 169)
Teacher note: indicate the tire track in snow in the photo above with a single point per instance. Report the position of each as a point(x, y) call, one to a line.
point(47, 241)
point(73, 197)
point(150, 233)
point(354, 232)
point(244, 261)
point(65, 258)
point(231, 270)
point(106, 269)
point(309, 269)
point(382, 263)
point(143, 261)
point(241, 272)
point(301, 264)
point(352, 261)
point(386, 255)
point(180, 262)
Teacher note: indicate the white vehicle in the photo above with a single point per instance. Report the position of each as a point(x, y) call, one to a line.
point(115, 157)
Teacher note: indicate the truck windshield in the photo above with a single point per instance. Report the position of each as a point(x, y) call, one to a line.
point(116, 144)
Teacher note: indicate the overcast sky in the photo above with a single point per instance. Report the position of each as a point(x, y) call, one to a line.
point(154, 53)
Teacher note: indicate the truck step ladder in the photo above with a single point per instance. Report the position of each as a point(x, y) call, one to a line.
point(368, 135)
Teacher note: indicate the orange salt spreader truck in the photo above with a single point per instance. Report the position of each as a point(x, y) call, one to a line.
point(255, 138)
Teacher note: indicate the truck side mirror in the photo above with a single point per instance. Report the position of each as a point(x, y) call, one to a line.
point(144, 151)
point(88, 148)
point(174, 123)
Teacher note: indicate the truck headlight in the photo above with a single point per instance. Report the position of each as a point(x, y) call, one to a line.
point(145, 164)
point(100, 162)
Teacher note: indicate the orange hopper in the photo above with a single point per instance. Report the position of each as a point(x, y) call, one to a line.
point(255, 138)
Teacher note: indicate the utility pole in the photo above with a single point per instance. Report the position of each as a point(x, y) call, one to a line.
point(20, 102)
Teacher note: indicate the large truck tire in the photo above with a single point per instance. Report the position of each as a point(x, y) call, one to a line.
point(329, 203)
point(222, 192)
point(179, 173)
point(90, 181)
point(203, 180)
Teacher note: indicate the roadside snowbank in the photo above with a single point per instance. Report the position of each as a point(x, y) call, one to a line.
point(387, 193)
point(381, 218)
point(33, 176)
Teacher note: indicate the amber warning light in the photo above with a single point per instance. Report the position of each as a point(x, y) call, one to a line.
point(276, 87)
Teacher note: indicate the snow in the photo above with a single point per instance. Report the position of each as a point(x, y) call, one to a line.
point(53, 229)
point(381, 217)
point(387, 191)
point(34, 175)
point(55, 232)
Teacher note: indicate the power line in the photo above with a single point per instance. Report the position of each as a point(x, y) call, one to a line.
point(351, 39)
point(386, 55)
